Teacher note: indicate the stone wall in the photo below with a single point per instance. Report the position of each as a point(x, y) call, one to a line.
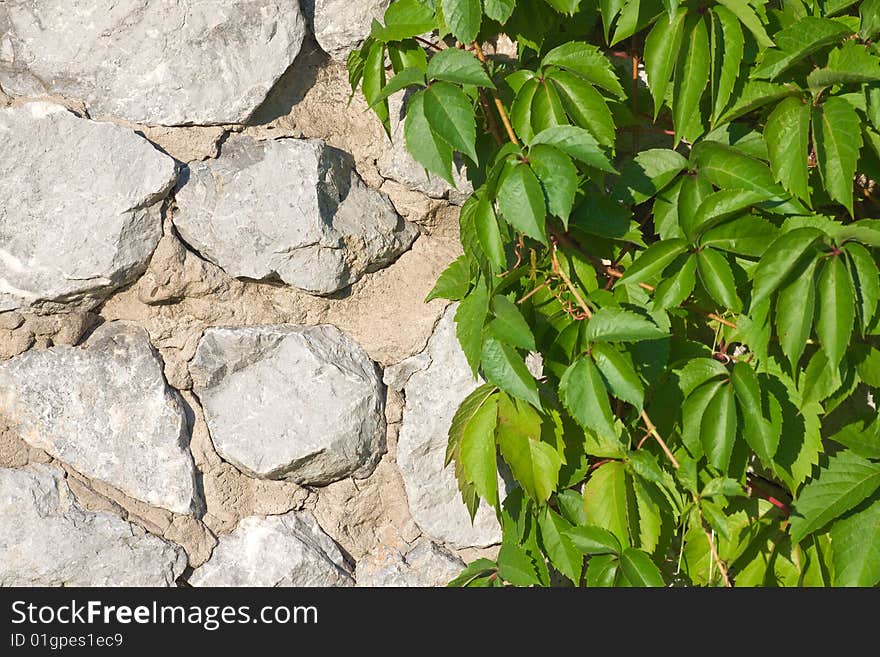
point(216, 365)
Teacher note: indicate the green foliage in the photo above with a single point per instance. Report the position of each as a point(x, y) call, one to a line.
point(694, 260)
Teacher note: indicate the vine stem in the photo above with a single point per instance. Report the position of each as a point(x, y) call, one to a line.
point(478, 50)
point(715, 556)
point(565, 279)
point(428, 43)
point(656, 434)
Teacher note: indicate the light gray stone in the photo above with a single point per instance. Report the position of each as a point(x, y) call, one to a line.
point(432, 397)
point(105, 409)
point(81, 205)
point(342, 25)
point(425, 564)
point(289, 209)
point(291, 402)
point(166, 62)
point(286, 550)
point(47, 539)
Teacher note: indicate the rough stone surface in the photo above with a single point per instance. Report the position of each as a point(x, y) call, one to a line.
point(289, 209)
point(288, 550)
point(81, 205)
point(425, 564)
point(342, 25)
point(301, 403)
point(168, 62)
point(47, 539)
point(105, 409)
point(432, 397)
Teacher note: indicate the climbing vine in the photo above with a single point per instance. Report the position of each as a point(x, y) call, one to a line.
point(674, 207)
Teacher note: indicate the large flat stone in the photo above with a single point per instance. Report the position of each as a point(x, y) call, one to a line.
point(425, 564)
point(47, 539)
point(81, 205)
point(167, 62)
point(291, 402)
point(105, 410)
point(289, 209)
point(342, 25)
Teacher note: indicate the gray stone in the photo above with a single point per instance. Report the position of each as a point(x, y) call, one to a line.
point(287, 550)
point(342, 25)
point(426, 564)
point(291, 402)
point(167, 62)
point(289, 209)
point(432, 397)
point(48, 539)
point(81, 205)
point(105, 409)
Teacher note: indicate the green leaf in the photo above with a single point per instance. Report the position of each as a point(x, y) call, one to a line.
point(407, 77)
point(454, 65)
point(727, 56)
point(586, 106)
point(583, 394)
point(477, 451)
point(534, 463)
point(797, 42)
point(754, 95)
point(747, 16)
point(749, 235)
point(779, 261)
point(558, 176)
point(465, 413)
point(866, 279)
point(691, 78)
point(504, 367)
point(578, 143)
point(488, 233)
point(862, 437)
point(463, 18)
point(566, 558)
point(593, 540)
point(571, 505)
point(838, 141)
point(639, 569)
point(869, 11)
point(852, 63)
point(718, 428)
point(661, 51)
point(404, 19)
point(469, 319)
point(834, 324)
point(509, 326)
point(678, 287)
point(374, 81)
point(653, 261)
point(788, 141)
point(609, 10)
point(717, 277)
point(843, 484)
point(407, 54)
point(586, 61)
point(454, 282)
point(693, 411)
point(723, 487)
point(795, 310)
point(616, 368)
point(758, 432)
point(648, 173)
point(547, 109)
point(515, 565)
point(521, 200)
point(855, 547)
point(605, 501)
point(475, 570)
point(618, 325)
point(499, 10)
point(427, 148)
point(451, 117)
point(602, 571)
point(867, 364)
point(564, 6)
point(720, 206)
point(521, 110)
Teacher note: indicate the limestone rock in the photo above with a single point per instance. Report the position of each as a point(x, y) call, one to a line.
point(426, 564)
point(342, 25)
point(81, 205)
point(288, 550)
point(293, 402)
point(432, 397)
point(289, 209)
point(173, 62)
point(105, 410)
point(49, 540)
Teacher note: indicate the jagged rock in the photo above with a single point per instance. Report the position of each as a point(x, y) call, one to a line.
point(289, 209)
point(426, 564)
point(287, 550)
point(49, 540)
point(174, 62)
point(342, 25)
point(291, 402)
point(432, 397)
point(105, 410)
point(81, 205)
